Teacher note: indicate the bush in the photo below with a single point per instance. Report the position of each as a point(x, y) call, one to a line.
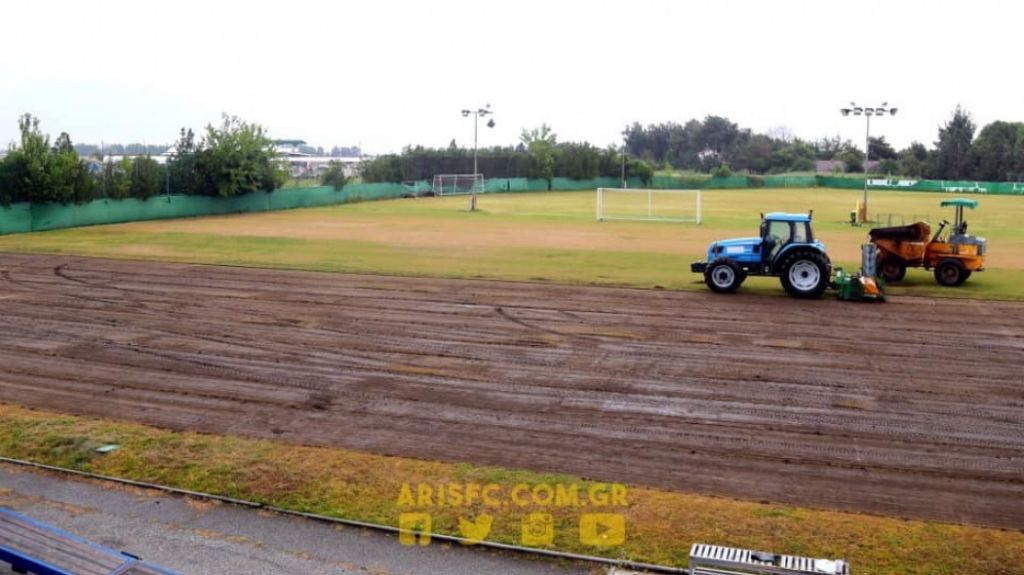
point(722, 171)
point(334, 175)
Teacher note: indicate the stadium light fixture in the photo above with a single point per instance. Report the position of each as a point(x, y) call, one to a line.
point(867, 112)
point(477, 114)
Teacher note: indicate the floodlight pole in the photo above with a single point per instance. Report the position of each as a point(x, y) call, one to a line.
point(486, 110)
point(867, 113)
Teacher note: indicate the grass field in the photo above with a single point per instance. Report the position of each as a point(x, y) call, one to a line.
point(536, 237)
point(530, 237)
point(660, 525)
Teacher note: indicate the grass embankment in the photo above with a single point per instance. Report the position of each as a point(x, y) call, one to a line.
point(660, 526)
point(535, 237)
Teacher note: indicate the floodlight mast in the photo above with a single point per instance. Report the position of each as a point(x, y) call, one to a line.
point(477, 114)
point(867, 112)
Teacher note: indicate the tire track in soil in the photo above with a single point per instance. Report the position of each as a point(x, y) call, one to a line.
point(914, 408)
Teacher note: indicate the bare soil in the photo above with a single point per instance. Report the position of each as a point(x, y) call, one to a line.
point(913, 408)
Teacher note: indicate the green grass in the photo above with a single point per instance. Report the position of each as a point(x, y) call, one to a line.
point(660, 525)
point(535, 237)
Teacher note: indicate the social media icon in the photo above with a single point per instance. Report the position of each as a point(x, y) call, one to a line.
point(602, 529)
point(538, 529)
point(476, 531)
point(414, 526)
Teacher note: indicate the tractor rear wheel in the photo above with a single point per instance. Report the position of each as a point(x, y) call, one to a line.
point(806, 274)
point(892, 269)
point(724, 276)
point(950, 273)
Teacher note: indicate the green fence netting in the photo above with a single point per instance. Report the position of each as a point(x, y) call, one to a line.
point(24, 217)
point(15, 219)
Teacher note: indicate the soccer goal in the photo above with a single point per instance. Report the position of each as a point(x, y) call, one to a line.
point(648, 205)
point(458, 184)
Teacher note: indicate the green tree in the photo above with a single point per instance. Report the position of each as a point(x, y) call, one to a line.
point(386, 168)
point(26, 170)
point(146, 178)
point(117, 178)
point(853, 159)
point(952, 159)
point(995, 152)
point(184, 168)
point(541, 145)
point(238, 158)
point(914, 160)
point(334, 175)
point(881, 149)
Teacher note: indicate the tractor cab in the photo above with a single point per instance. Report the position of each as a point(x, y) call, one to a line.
point(785, 248)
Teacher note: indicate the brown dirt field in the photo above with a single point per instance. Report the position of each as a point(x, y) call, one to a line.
point(913, 408)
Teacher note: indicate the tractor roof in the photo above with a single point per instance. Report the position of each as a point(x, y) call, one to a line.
point(959, 202)
point(785, 217)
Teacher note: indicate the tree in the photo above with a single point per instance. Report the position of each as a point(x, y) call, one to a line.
point(995, 152)
point(540, 144)
point(880, 149)
point(27, 173)
point(829, 148)
point(183, 168)
point(117, 178)
point(146, 177)
point(239, 158)
point(952, 157)
point(385, 168)
point(796, 156)
point(334, 175)
point(914, 160)
point(853, 159)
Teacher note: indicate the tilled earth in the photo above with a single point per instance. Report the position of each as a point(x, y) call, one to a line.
point(912, 408)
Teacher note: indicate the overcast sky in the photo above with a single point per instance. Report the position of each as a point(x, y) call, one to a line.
point(386, 73)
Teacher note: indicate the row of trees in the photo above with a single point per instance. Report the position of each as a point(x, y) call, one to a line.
point(233, 158)
point(997, 154)
point(539, 154)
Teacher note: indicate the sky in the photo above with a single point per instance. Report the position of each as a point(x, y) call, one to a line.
point(383, 74)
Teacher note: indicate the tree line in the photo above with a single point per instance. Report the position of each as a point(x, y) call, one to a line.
point(719, 145)
point(538, 155)
point(233, 158)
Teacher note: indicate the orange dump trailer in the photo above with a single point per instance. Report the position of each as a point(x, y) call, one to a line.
point(951, 252)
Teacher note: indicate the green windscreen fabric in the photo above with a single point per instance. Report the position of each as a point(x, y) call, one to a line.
point(25, 217)
point(15, 219)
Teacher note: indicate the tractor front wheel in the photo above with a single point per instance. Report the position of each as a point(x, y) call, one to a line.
point(951, 273)
point(806, 274)
point(724, 276)
point(892, 269)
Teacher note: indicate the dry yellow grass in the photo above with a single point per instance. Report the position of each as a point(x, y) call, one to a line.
point(660, 525)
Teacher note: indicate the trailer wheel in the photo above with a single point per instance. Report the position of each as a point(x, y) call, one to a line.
point(806, 274)
point(950, 273)
point(724, 276)
point(892, 269)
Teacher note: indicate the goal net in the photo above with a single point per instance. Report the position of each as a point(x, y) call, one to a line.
point(648, 205)
point(458, 184)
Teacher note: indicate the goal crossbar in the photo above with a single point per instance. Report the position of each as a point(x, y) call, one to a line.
point(648, 205)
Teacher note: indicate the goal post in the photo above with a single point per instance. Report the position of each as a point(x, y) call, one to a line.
point(648, 205)
point(457, 184)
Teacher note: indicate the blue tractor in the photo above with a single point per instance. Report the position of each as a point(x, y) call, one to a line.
point(786, 249)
